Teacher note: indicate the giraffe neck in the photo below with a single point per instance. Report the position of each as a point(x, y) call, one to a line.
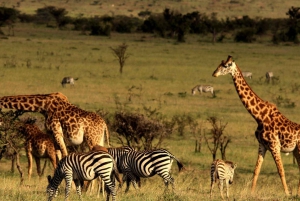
point(32, 103)
point(254, 104)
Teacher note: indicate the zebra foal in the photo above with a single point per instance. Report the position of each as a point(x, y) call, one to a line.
point(222, 171)
point(202, 88)
point(84, 167)
point(136, 164)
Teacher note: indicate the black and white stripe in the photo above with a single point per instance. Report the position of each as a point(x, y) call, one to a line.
point(68, 80)
point(202, 88)
point(222, 171)
point(84, 167)
point(247, 74)
point(269, 76)
point(118, 154)
point(136, 164)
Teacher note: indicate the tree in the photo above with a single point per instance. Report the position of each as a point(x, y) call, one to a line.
point(10, 140)
point(120, 53)
point(294, 24)
point(214, 26)
point(218, 138)
point(8, 17)
point(51, 13)
point(140, 131)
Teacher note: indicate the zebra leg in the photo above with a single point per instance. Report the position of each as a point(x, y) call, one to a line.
point(211, 188)
point(130, 177)
point(68, 179)
point(227, 186)
point(78, 188)
point(221, 188)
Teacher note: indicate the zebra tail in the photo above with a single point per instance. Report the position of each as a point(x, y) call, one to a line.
point(117, 174)
point(180, 166)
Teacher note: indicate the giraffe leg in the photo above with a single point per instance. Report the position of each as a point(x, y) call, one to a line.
point(38, 166)
point(261, 154)
point(297, 156)
point(29, 157)
point(278, 161)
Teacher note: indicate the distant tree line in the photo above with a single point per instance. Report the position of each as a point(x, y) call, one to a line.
point(168, 24)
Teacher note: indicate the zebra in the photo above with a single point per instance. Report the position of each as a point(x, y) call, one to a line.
point(203, 88)
point(269, 76)
point(136, 164)
point(247, 74)
point(117, 154)
point(222, 171)
point(84, 167)
point(68, 80)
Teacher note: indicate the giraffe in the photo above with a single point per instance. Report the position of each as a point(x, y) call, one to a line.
point(274, 132)
point(37, 145)
point(64, 120)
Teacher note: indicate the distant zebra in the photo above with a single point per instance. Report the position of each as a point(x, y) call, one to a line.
point(247, 74)
point(222, 171)
point(84, 167)
point(269, 76)
point(203, 88)
point(135, 164)
point(68, 80)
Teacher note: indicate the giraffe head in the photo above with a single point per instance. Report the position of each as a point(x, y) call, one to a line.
point(226, 67)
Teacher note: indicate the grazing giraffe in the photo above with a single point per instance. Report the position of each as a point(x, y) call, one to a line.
point(64, 120)
point(37, 145)
point(274, 132)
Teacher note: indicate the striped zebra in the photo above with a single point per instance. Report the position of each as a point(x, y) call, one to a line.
point(117, 154)
point(84, 167)
point(203, 88)
point(269, 76)
point(222, 171)
point(247, 74)
point(136, 164)
point(68, 80)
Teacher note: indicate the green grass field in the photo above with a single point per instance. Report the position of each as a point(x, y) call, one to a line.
point(36, 59)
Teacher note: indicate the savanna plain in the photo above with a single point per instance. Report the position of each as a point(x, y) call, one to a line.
point(156, 74)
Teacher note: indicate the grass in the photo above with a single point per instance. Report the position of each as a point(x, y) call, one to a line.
point(162, 69)
point(224, 8)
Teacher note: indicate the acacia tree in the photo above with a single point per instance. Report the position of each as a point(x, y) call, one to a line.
point(8, 16)
point(9, 139)
point(294, 23)
point(137, 130)
point(218, 137)
point(51, 13)
point(120, 53)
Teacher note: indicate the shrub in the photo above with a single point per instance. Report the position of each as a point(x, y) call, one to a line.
point(245, 35)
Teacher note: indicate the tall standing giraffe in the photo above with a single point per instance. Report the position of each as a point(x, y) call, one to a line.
point(274, 132)
point(64, 120)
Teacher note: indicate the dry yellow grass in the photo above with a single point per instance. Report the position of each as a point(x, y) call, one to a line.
point(224, 8)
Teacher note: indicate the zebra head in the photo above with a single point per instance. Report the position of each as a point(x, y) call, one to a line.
point(51, 190)
point(231, 169)
point(226, 67)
